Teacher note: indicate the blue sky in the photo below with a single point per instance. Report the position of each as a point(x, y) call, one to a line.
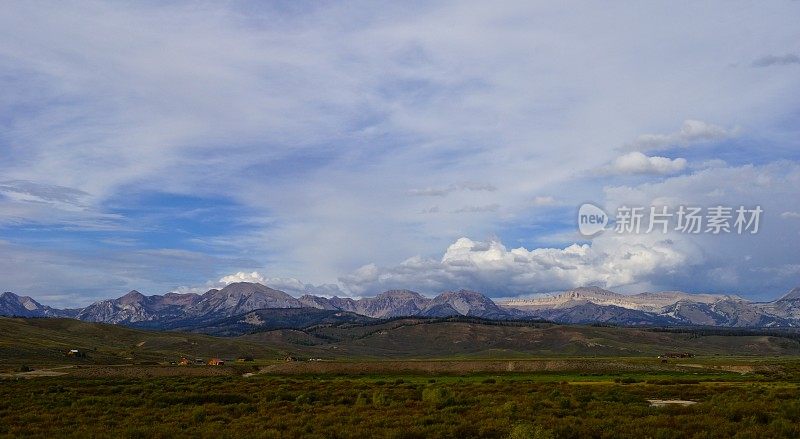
point(349, 147)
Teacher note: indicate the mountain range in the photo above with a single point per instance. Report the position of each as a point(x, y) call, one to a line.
point(251, 307)
point(592, 304)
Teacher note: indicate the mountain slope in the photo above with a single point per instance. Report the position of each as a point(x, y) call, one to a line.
point(459, 336)
point(664, 308)
point(585, 312)
point(465, 303)
point(794, 294)
point(239, 298)
point(24, 306)
point(135, 307)
point(392, 303)
point(279, 318)
point(649, 302)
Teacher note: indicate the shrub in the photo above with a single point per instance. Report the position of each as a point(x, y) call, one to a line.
point(528, 431)
point(361, 399)
point(198, 415)
point(379, 399)
point(306, 398)
point(438, 396)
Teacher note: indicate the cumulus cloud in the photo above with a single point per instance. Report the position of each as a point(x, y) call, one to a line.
point(492, 268)
point(637, 163)
point(692, 132)
point(628, 262)
point(779, 60)
point(243, 277)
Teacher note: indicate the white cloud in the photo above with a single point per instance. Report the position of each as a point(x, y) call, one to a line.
point(243, 277)
point(488, 266)
point(628, 262)
point(637, 163)
point(692, 132)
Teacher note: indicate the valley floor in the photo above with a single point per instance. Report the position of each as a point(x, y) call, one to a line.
point(571, 397)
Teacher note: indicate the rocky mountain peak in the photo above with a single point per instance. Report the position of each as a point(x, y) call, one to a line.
point(463, 302)
point(242, 297)
point(238, 289)
point(131, 298)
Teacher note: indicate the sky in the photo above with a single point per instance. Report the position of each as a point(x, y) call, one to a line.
point(345, 148)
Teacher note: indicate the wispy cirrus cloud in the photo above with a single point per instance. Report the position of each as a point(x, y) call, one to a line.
point(692, 132)
point(261, 126)
point(776, 60)
point(441, 192)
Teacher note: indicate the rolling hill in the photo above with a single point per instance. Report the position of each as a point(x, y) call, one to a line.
point(476, 338)
point(45, 341)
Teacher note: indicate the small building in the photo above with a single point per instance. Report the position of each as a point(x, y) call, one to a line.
point(676, 355)
point(245, 359)
point(184, 361)
point(199, 361)
point(76, 353)
point(216, 362)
